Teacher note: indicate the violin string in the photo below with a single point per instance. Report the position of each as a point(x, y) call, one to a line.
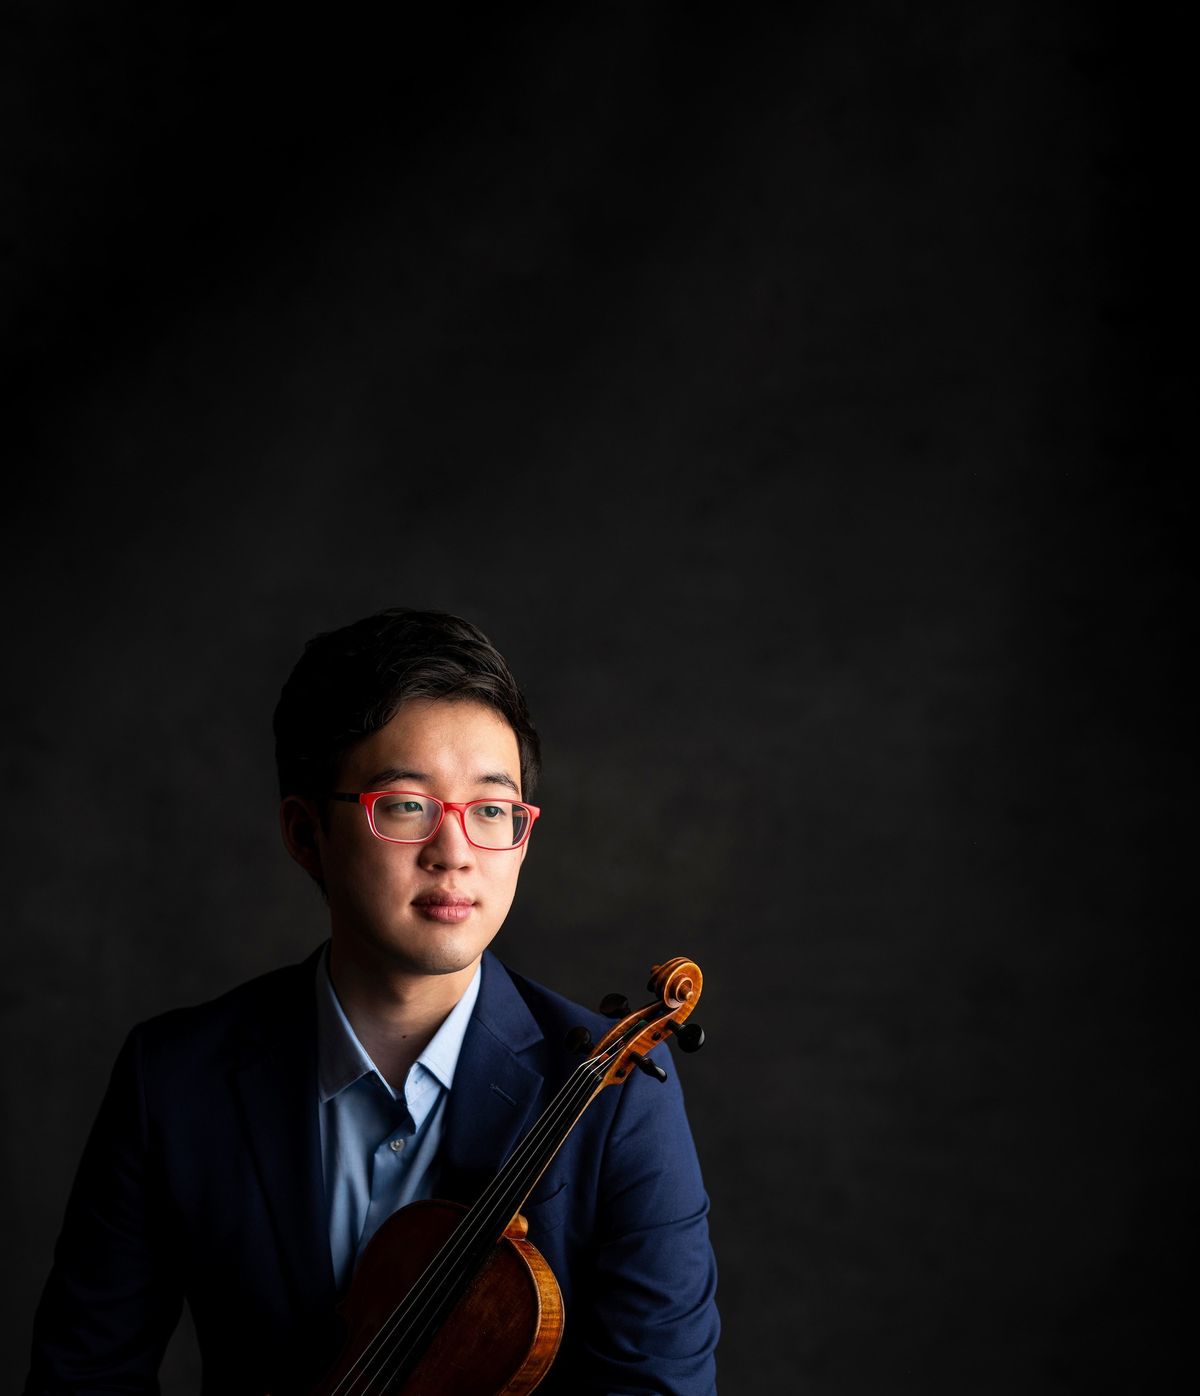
point(416, 1306)
point(414, 1310)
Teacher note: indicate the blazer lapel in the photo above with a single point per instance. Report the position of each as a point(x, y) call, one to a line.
point(491, 1101)
point(277, 1090)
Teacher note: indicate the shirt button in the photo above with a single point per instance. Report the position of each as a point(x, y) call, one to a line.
point(396, 1145)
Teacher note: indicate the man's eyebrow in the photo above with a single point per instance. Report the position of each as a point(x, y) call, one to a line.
point(499, 778)
point(394, 773)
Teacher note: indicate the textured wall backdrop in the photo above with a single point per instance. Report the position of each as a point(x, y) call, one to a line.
point(779, 391)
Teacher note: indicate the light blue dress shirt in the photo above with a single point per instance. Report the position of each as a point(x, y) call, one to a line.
point(377, 1147)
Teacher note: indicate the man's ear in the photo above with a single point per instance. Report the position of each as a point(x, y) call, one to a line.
point(299, 826)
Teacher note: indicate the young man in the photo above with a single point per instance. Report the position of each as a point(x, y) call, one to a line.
point(248, 1149)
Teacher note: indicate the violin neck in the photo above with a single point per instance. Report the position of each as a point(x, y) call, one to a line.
point(503, 1198)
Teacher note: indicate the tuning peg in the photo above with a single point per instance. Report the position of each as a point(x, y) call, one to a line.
point(690, 1036)
point(614, 1005)
point(649, 1067)
point(578, 1040)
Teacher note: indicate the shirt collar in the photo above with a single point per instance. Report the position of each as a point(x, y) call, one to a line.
point(442, 1051)
point(341, 1057)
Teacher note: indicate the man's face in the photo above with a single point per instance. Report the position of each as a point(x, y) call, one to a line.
point(384, 897)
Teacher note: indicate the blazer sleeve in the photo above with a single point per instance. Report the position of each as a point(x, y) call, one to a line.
point(652, 1324)
point(114, 1294)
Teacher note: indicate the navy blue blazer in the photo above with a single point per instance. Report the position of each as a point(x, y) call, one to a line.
point(202, 1180)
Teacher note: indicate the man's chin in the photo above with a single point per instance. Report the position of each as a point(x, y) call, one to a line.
point(444, 964)
point(437, 954)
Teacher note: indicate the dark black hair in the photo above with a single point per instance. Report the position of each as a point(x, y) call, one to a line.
point(349, 682)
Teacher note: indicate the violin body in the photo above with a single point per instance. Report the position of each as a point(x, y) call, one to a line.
point(500, 1337)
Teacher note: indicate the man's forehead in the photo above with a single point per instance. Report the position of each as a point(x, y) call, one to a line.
point(430, 738)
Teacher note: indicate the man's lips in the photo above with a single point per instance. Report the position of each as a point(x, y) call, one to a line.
point(444, 906)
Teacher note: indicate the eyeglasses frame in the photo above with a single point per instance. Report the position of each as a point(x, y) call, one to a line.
point(369, 798)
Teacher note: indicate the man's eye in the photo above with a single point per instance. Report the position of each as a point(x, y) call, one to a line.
point(492, 811)
point(403, 807)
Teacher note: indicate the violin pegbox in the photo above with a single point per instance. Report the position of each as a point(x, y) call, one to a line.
point(676, 986)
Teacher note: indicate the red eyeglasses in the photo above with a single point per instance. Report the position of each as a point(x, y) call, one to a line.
point(409, 816)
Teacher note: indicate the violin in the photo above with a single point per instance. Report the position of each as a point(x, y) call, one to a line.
point(450, 1300)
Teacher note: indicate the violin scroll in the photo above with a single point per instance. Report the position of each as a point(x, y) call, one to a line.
point(678, 982)
point(676, 985)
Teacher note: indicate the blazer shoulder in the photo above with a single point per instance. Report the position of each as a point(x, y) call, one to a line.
point(555, 1015)
point(551, 1010)
point(240, 1019)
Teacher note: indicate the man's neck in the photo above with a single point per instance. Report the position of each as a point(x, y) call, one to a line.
point(394, 1013)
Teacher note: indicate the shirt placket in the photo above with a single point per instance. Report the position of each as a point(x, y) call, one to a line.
point(388, 1167)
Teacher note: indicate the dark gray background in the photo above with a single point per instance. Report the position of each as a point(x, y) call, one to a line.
point(783, 393)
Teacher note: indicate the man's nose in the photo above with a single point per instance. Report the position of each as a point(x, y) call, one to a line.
point(450, 846)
